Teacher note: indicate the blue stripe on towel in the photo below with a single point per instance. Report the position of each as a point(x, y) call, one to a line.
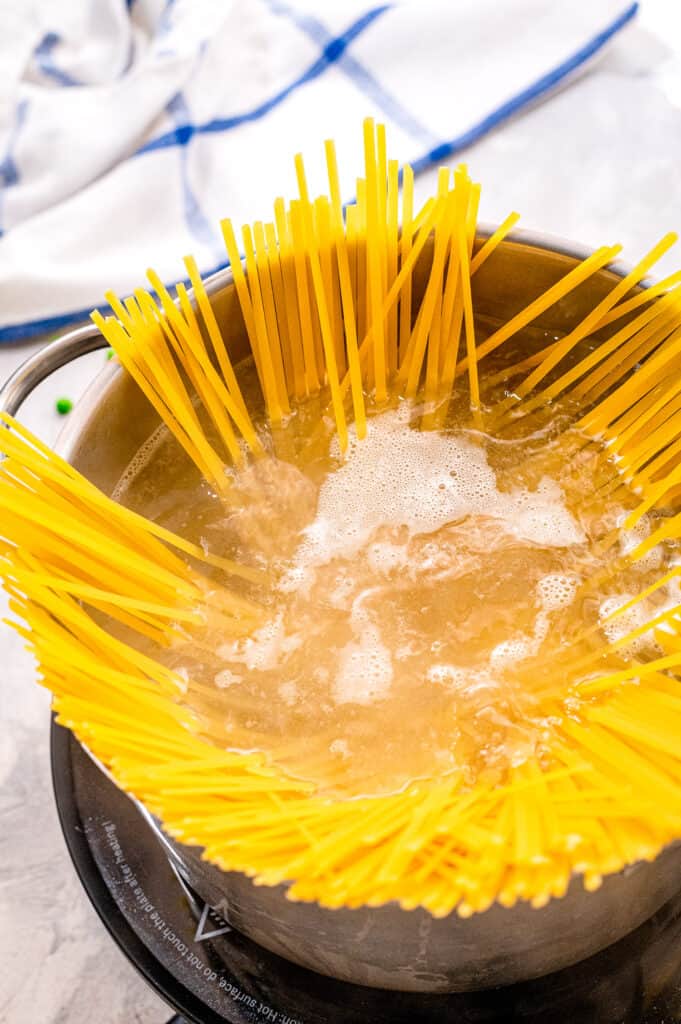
point(358, 74)
point(197, 222)
point(44, 58)
point(332, 53)
point(9, 172)
point(18, 332)
point(527, 96)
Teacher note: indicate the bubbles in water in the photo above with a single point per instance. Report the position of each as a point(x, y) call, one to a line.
point(343, 590)
point(422, 480)
point(557, 590)
point(628, 621)
point(288, 693)
point(365, 669)
point(510, 651)
point(386, 557)
point(447, 674)
point(632, 538)
point(226, 678)
point(264, 649)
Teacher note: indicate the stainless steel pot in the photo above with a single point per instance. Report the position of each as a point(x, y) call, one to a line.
point(383, 947)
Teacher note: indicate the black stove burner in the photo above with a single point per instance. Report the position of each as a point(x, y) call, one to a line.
point(210, 974)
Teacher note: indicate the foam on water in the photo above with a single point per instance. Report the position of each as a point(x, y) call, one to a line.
point(225, 677)
point(554, 592)
point(397, 484)
point(289, 693)
point(264, 649)
point(365, 665)
point(557, 590)
point(365, 669)
point(646, 609)
point(632, 538)
point(628, 621)
point(422, 480)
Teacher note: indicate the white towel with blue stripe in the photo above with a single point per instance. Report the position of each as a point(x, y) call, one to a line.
point(128, 128)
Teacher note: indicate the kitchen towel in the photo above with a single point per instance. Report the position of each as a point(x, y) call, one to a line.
point(128, 128)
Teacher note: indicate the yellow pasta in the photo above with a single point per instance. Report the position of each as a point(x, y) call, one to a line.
point(349, 312)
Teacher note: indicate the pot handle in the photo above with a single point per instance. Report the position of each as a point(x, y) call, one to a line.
point(41, 364)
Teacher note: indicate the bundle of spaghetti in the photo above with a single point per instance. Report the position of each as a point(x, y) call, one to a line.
point(326, 298)
point(438, 844)
point(342, 304)
point(624, 389)
point(64, 535)
point(642, 298)
point(591, 806)
point(165, 349)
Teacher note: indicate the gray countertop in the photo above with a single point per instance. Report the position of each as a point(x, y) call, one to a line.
point(599, 162)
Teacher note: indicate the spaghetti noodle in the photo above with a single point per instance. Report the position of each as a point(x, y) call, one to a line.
point(357, 329)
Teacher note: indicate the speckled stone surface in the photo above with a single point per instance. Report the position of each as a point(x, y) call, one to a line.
point(599, 162)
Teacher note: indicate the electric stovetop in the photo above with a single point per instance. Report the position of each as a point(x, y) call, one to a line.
point(211, 974)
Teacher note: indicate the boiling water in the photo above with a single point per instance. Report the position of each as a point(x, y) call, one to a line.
point(419, 585)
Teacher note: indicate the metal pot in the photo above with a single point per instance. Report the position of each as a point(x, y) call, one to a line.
point(383, 947)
